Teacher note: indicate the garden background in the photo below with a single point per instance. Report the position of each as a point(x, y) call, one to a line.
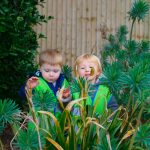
point(117, 32)
point(81, 26)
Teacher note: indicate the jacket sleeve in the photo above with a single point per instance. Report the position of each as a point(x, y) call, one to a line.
point(22, 92)
point(112, 104)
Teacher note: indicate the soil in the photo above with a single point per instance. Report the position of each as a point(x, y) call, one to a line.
point(6, 137)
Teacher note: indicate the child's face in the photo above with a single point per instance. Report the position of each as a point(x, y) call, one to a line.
point(50, 72)
point(85, 70)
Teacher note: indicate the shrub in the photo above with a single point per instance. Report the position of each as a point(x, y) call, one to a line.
point(18, 43)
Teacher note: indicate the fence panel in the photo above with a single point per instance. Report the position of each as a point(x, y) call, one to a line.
point(81, 26)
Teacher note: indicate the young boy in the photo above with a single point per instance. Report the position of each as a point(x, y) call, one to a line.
point(49, 79)
point(89, 67)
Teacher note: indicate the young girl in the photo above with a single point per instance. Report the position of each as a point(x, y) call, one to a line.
point(89, 67)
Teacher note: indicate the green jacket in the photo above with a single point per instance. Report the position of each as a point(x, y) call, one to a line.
point(100, 100)
point(43, 87)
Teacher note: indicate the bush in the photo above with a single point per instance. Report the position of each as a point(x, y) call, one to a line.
point(126, 61)
point(18, 43)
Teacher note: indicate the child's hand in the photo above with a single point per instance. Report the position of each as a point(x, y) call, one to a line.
point(66, 93)
point(32, 82)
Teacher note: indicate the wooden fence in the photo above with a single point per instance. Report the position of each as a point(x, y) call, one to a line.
point(80, 26)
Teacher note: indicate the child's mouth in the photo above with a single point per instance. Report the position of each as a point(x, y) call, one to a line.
point(87, 75)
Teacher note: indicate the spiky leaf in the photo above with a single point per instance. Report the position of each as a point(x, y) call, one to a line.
point(139, 10)
point(122, 33)
point(143, 136)
point(28, 140)
point(136, 80)
point(67, 72)
point(9, 111)
point(44, 101)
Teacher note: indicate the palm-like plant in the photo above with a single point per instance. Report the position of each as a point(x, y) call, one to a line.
point(28, 139)
point(131, 59)
point(143, 137)
point(138, 12)
point(44, 101)
point(9, 114)
point(127, 73)
point(130, 81)
point(67, 72)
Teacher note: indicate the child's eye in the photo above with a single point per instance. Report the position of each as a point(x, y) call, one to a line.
point(46, 70)
point(56, 71)
point(91, 67)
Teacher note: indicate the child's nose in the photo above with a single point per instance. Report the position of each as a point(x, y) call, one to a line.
point(87, 69)
point(50, 73)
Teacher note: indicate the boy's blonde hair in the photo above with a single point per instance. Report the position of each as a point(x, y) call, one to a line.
point(88, 57)
point(52, 57)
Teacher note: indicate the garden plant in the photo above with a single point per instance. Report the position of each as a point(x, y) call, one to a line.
point(19, 43)
point(126, 72)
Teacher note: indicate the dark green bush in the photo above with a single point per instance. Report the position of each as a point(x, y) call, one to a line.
point(18, 43)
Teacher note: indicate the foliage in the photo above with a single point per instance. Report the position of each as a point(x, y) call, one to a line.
point(28, 139)
point(18, 43)
point(9, 112)
point(126, 62)
point(79, 85)
point(1, 129)
point(138, 11)
point(143, 136)
point(67, 72)
point(127, 74)
point(44, 101)
point(111, 130)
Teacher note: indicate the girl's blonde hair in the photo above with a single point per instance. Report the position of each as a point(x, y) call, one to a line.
point(52, 57)
point(88, 57)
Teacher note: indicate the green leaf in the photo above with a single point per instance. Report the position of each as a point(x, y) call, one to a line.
point(143, 136)
point(44, 101)
point(111, 75)
point(9, 111)
point(1, 128)
point(139, 10)
point(137, 80)
point(67, 72)
point(28, 140)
